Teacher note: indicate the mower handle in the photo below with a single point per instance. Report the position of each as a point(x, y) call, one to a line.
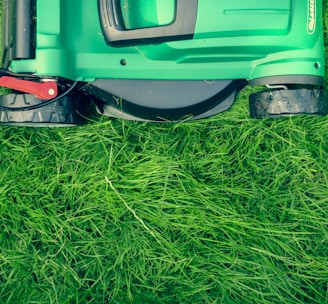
point(116, 34)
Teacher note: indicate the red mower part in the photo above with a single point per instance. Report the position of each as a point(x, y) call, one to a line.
point(42, 90)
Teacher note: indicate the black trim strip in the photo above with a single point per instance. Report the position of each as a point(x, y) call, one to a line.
point(289, 79)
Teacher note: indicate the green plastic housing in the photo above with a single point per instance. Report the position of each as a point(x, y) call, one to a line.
point(147, 13)
point(240, 39)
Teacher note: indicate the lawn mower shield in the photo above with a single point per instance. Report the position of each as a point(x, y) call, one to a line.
point(159, 60)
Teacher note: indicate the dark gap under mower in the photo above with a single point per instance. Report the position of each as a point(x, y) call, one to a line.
point(159, 60)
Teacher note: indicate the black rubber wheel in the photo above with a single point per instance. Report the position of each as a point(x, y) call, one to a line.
point(287, 102)
point(61, 113)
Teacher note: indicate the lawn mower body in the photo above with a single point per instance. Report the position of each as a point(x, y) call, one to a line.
point(167, 59)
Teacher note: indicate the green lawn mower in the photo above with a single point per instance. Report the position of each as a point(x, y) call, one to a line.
point(159, 60)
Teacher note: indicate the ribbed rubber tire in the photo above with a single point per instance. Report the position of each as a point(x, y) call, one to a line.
point(278, 103)
point(61, 113)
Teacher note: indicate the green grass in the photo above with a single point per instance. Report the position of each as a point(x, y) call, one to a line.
point(226, 210)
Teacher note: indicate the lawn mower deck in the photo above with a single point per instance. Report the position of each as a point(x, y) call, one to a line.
point(159, 60)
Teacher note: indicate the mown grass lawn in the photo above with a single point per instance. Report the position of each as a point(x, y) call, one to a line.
point(225, 210)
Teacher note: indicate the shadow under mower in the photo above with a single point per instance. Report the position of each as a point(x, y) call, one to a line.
point(159, 60)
